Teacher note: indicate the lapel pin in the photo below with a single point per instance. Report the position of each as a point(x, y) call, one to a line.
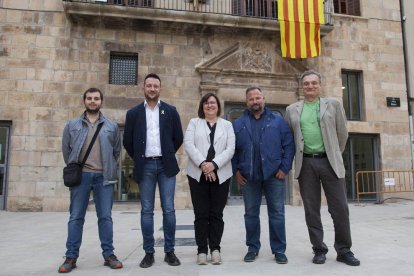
point(162, 111)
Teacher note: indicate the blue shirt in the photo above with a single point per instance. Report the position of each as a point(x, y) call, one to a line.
point(257, 130)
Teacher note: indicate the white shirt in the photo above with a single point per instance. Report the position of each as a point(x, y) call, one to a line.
point(153, 146)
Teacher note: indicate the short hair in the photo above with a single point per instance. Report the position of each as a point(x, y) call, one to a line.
point(203, 100)
point(152, 75)
point(253, 88)
point(310, 72)
point(91, 90)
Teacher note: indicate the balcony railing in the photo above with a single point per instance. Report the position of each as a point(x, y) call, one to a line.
point(263, 9)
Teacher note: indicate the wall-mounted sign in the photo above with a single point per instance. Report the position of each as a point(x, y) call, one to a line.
point(393, 102)
point(389, 181)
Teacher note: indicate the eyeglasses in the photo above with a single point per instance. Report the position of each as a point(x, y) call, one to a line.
point(210, 103)
point(307, 84)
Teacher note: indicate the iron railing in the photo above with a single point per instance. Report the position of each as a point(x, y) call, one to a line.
point(264, 9)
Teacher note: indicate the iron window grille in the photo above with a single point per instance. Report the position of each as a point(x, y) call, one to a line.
point(123, 68)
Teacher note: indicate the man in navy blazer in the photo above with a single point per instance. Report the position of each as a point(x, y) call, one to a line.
point(152, 136)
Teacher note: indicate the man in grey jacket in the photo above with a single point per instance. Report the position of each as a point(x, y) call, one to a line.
point(319, 127)
point(99, 174)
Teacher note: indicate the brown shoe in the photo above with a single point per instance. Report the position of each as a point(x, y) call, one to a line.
point(67, 266)
point(113, 262)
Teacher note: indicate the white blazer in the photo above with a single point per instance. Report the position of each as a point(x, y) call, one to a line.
point(197, 143)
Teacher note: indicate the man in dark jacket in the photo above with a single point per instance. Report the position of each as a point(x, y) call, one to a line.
point(263, 157)
point(152, 136)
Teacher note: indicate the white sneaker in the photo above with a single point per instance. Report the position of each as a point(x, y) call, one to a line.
point(202, 259)
point(215, 257)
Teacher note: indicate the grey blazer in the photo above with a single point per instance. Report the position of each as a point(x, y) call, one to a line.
point(334, 133)
point(197, 143)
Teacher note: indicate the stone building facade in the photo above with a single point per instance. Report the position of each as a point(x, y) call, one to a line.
point(51, 51)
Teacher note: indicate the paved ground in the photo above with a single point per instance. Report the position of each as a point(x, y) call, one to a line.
point(34, 243)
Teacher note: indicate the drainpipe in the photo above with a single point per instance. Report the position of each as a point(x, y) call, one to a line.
point(407, 79)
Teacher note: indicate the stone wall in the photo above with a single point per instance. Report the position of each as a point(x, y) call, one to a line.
point(373, 44)
point(47, 61)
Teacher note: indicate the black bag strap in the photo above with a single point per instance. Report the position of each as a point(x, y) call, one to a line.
point(91, 144)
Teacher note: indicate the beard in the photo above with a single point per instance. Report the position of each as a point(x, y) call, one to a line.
point(151, 97)
point(93, 111)
point(256, 109)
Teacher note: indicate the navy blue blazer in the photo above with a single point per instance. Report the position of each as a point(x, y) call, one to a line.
point(171, 134)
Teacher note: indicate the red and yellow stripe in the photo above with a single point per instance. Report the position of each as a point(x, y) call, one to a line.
point(300, 22)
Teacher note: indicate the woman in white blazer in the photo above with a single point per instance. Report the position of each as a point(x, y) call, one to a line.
point(209, 142)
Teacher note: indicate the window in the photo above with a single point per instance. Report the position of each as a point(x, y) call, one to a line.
point(5, 127)
point(352, 94)
point(255, 8)
point(126, 189)
point(123, 68)
point(361, 154)
point(350, 7)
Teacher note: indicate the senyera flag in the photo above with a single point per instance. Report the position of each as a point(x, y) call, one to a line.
point(300, 22)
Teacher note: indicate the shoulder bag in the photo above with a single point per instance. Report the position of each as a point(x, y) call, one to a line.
point(72, 173)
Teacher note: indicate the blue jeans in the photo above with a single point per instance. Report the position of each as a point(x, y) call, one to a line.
point(274, 190)
point(79, 199)
point(153, 174)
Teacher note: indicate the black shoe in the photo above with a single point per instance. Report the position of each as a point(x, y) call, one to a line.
point(147, 261)
point(281, 258)
point(250, 257)
point(348, 258)
point(319, 258)
point(171, 259)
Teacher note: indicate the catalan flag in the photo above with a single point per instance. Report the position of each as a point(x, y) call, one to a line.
point(300, 22)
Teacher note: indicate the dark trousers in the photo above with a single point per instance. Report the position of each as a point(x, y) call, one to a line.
point(314, 172)
point(209, 200)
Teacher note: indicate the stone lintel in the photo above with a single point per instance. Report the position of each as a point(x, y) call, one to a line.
point(208, 88)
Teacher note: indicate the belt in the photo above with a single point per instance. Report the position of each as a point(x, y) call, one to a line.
point(153, 157)
point(315, 155)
